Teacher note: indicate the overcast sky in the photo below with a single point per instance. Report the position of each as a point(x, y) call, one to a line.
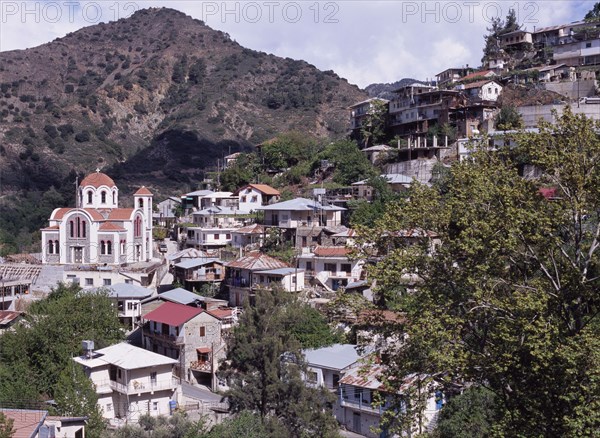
point(362, 41)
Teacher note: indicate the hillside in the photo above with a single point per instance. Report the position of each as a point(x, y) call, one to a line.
point(152, 99)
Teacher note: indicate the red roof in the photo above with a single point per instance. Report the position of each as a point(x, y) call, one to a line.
point(173, 314)
point(26, 421)
point(120, 214)
point(61, 212)
point(263, 188)
point(97, 179)
point(331, 251)
point(204, 349)
point(477, 74)
point(53, 227)
point(111, 226)
point(548, 192)
point(143, 191)
point(221, 313)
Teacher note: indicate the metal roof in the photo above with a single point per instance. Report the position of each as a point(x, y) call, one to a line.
point(280, 271)
point(125, 290)
point(200, 193)
point(8, 316)
point(256, 261)
point(126, 356)
point(180, 296)
point(336, 357)
point(392, 178)
point(187, 253)
point(251, 229)
point(26, 422)
point(300, 204)
point(173, 314)
point(194, 263)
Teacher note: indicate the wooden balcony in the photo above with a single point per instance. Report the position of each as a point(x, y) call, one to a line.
point(204, 366)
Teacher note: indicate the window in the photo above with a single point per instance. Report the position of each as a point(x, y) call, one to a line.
point(254, 199)
point(202, 331)
point(71, 229)
point(123, 249)
point(109, 247)
point(118, 373)
point(228, 236)
point(357, 393)
point(216, 237)
point(89, 196)
point(83, 229)
point(153, 377)
point(109, 407)
point(128, 281)
point(331, 267)
point(588, 45)
point(131, 305)
point(56, 247)
point(107, 282)
point(309, 266)
point(346, 267)
point(336, 380)
point(114, 196)
point(102, 247)
point(137, 227)
point(103, 197)
point(243, 199)
point(50, 247)
point(311, 377)
point(89, 281)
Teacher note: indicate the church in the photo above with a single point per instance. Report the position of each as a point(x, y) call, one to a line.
point(97, 231)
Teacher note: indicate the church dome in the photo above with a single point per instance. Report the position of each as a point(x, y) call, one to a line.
point(98, 179)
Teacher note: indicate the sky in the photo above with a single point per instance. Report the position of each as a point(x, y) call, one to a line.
point(363, 41)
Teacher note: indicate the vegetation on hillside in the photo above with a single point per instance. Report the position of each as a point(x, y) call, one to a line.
point(509, 301)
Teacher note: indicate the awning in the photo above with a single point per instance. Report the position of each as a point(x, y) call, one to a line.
point(204, 350)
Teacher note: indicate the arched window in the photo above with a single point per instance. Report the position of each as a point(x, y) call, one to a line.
point(71, 229)
point(140, 203)
point(102, 247)
point(114, 197)
point(83, 229)
point(103, 197)
point(50, 247)
point(109, 247)
point(137, 227)
point(78, 227)
point(89, 196)
point(56, 247)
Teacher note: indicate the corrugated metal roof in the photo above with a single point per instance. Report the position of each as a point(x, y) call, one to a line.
point(8, 316)
point(256, 261)
point(194, 263)
point(280, 271)
point(125, 290)
point(173, 313)
point(251, 229)
point(200, 193)
point(180, 296)
point(300, 204)
point(126, 356)
point(392, 178)
point(188, 253)
point(364, 376)
point(336, 357)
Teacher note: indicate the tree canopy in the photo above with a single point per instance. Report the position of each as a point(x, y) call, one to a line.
point(509, 299)
point(266, 366)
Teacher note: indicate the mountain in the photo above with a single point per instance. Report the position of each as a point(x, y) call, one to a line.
point(153, 99)
point(385, 91)
point(156, 97)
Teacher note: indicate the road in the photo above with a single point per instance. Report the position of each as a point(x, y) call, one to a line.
point(200, 394)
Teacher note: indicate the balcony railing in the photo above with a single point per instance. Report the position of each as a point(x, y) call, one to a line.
point(137, 386)
point(202, 365)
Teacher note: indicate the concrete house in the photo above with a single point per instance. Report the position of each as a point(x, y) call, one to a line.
point(191, 336)
point(249, 237)
point(482, 90)
point(301, 212)
point(255, 195)
point(396, 181)
point(290, 279)
point(130, 381)
point(193, 273)
point(128, 298)
point(240, 275)
point(330, 267)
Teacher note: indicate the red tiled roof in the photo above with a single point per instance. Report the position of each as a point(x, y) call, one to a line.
point(256, 261)
point(26, 422)
point(221, 313)
point(476, 75)
point(204, 349)
point(120, 214)
point(52, 228)
point(263, 188)
point(111, 226)
point(251, 229)
point(478, 83)
point(143, 191)
point(173, 313)
point(331, 251)
point(97, 179)
point(61, 212)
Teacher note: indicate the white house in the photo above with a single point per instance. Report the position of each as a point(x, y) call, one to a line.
point(208, 238)
point(331, 267)
point(130, 381)
point(97, 231)
point(302, 212)
point(291, 279)
point(128, 298)
point(484, 90)
point(256, 195)
point(249, 236)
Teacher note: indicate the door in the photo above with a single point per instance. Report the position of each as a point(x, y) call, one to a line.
point(355, 422)
point(78, 254)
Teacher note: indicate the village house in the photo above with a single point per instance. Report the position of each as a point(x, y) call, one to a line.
point(248, 237)
point(231, 159)
point(128, 298)
point(97, 231)
point(13, 285)
point(330, 267)
point(191, 336)
point(89, 276)
point(452, 75)
point(482, 90)
point(164, 215)
point(290, 279)
point(194, 273)
point(208, 238)
point(129, 381)
point(240, 272)
point(360, 110)
point(516, 39)
point(374, 152)
point(185, 297)
point(301, 212)
point(396, 181)
point(256, 195)
point(32, 423)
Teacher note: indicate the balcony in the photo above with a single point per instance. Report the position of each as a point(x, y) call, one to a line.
point(204, 366)
point(140, 386)
point(171, 339)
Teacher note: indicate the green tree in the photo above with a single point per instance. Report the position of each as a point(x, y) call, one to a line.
point(245, 424)
point(350, 163)
point(594, 13)
point(491, 47)
point(364, 212)
point(509, 299)
point(6, 426)
point(35, 354)
point(244, 171)
point(76, 396)
point(470, 414)
point(266, 366)
point(372, 128)
point(509, 118)
point(511, 23)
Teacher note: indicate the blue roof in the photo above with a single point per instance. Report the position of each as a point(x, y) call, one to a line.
point(181, 296)
point(336, 357)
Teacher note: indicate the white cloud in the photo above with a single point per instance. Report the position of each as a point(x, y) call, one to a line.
point(363, 41)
